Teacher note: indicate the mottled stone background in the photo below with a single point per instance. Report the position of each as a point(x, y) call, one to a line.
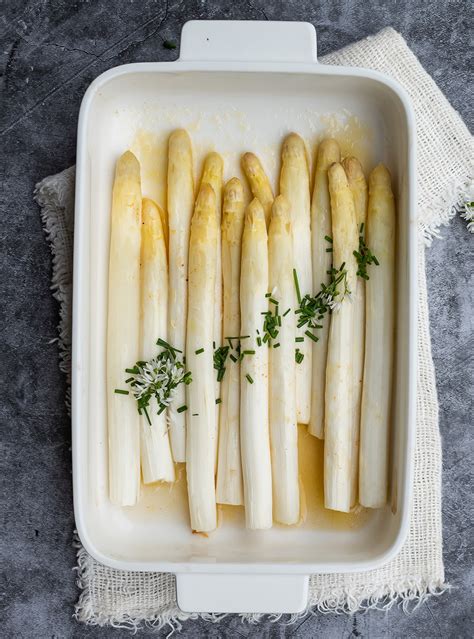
point(51, 51)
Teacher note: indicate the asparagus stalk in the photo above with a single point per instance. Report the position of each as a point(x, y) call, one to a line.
point(123, 331)
point(254, 429)
point(321, 228)
point(201, 424)
point(358, 186)
point(212, 175)
point(180, 208)
point(294, 185)
point(339, 376)
point(283, 425)
point(229, 468)
point(379, 336)
point(259, 183)
point(155, 451)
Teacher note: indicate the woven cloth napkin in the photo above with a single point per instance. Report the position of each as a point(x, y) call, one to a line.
point(445, 170)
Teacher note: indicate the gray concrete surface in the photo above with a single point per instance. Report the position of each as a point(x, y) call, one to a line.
point(51, 51)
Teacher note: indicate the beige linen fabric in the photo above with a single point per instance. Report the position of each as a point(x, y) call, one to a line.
point(444, 169)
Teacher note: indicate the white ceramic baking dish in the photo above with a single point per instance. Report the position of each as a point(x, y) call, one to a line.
point(237, 86)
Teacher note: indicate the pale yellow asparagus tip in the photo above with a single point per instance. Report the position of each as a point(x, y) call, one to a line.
point(180, 138)
point(293, 148)
point(328, 153)
point(259, 182)
point(153, 227)
point(281, 209)
point(204, 208)
point(233, 191)
point(127, 166)
point(254, 215)
point(337, 176)
point(213, 167)
point(380, 178)
point(233, 211)
point(353, 169)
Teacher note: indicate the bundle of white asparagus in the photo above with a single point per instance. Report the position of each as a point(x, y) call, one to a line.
point(279, 295)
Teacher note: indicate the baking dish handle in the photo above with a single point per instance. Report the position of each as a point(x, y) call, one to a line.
point(248, 41)
point(199, 592)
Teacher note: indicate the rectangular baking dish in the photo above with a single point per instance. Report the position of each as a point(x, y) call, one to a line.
point(237, 86)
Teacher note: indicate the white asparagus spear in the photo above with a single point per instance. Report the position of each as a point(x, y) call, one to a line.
point(259, 183)
point(339, 381)
point(155, 451)
point(201, 402)
point(254, 429)
point(180, 208)
point(229, 468)
point(379, 337)
point(282, 402)
point(294, 185)
point(212, 175)
point(358, 187)
point(321, 227)
point(123, 331)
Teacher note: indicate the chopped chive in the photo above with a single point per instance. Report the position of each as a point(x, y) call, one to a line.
point(218, 400)
point(249, 352)
point(182, 408)
point(286, 312)
point(375, 260)
point(169, 44)
point(195, 414)
point(259, 342)
point(130, 379)
point(161, 342)
point(162, 408)
point(273, 301)
point(299, 339)
point(199, 351)
point(249, 378)
point(213, 344)
point(220, 374)
point(328, 239)
point(297, 286)
point(121, 392)
point(276, 345)
point(311, 336)
point(133, 370)
point(268, 294)
point(234, 359)
point(329, 250)
point(279, 320)
point(147, 416)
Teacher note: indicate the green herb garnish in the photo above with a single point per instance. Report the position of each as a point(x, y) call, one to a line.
point(158, 378)
point(220, 356)
point(169, 44)
point(364, 256)
point(249, 378)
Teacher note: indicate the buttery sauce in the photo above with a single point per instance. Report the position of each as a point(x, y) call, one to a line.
point(173, 500)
